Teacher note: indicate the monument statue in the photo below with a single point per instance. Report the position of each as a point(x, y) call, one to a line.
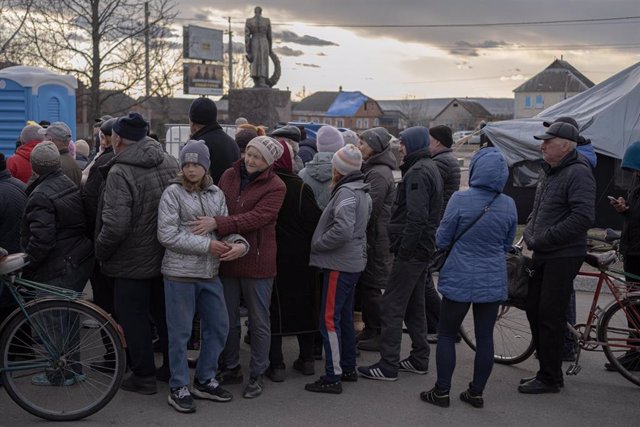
point(257, 41)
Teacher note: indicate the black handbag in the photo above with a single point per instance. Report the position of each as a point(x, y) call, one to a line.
point(519, 271)
point(439, 257)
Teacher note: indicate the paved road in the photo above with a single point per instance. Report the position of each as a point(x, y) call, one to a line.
point(593, 398)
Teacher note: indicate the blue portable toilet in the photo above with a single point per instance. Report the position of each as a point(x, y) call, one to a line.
point(31, 93)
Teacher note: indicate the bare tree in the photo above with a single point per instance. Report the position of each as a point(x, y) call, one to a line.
point(13, 16)
point(241, 68)
point(102, 43)
point(414, 111)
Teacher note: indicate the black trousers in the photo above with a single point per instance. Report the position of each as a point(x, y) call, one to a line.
point(102, 289)
point(432, 303)
point(134, 301)
point(305, 345)
point(371, 304)
point(549, 294)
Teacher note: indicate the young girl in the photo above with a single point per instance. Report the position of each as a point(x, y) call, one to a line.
point(190, 269)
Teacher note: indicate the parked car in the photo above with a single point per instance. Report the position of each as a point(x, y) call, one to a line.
point(457, 136)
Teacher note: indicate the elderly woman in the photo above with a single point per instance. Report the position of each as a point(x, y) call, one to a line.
point(475, 273)
point(254, 195)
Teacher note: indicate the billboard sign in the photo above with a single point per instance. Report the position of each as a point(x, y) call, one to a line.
point(202, 43)
point(202, 79)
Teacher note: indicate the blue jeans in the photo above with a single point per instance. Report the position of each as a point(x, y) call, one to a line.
point(257, 297)
point(336, 323)
point(182, 299)
point(452, 314)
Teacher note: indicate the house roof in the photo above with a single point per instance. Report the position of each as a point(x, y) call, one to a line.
point(430, 108)
point(319, 101)
point(560, 76)
point(346, 104)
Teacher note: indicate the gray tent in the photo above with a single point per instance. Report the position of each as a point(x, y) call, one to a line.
point(608, 114)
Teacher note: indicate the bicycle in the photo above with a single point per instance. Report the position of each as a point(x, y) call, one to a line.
point(61, 357)
point(615, 329)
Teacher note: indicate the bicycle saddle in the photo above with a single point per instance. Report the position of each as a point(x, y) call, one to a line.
point(601, 260)
point(13, 263)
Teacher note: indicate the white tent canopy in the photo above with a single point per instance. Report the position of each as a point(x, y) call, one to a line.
point(608, 114)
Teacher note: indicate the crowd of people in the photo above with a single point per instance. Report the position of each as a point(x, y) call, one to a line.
point(295, 230)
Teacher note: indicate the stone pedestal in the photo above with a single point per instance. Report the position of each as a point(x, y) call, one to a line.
point(260, 106)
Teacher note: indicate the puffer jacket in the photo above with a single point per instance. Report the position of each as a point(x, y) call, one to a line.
point(378, 173)
point(450, 172)
point(187, 254)
point(53, 231)
point(126, 224)
point(20, 163)
point(223, 150)
point(563, 209)
point(317, 175)
point(340, 240)
point(416, 209)
point(253, 213)
point(475, 270)
point(12, 201)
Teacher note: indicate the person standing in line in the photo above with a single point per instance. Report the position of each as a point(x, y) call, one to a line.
point(475, 272)
point(190, 270)
point(19, 164)
point(60, 134)
point(339, 248)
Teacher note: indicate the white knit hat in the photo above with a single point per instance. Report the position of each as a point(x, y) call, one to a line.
point(329, 140)
point(269, 148)
point(347, 159)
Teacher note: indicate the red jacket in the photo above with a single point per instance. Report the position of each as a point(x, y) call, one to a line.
point(19, 164)
point(252, 214)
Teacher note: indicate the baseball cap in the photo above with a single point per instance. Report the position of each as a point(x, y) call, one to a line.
point(57, 130)
point(560, 130)
point(563, 119)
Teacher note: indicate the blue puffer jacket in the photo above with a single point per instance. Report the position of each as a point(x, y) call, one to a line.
point(476, 270)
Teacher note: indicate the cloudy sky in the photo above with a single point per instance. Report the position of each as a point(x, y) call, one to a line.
point(394, 49)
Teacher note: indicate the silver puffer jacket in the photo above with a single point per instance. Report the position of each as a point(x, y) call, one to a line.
point(187, 254)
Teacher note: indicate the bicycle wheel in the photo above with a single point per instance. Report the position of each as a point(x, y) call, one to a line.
point(49, 360)
point(619, 330)
point(512, 340)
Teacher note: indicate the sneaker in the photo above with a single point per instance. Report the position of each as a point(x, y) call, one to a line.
point(254, 388)
point(142, 385)
point(323, 386)
point(210, 390)
point(407, 365)
point(372, 344)
point(276, 375)
point(436, 397)
point(349, 377)
point(472, 398)
point(230, 376)
point(181, 400)
point(305, 367)
point(44, 381)
point(377, 372)
point(432, 338)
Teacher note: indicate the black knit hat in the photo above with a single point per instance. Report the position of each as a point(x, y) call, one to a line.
point(443, 134)
point(107, 126)
point(203, 111)
point(132, 127)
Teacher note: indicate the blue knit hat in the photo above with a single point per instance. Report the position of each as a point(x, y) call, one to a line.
point(631, 158)
point(195, 152)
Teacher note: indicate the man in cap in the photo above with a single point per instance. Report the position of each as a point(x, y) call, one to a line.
point(291, 135)
point(412, 228)
point(60, 134)
point(203, 121)
point(127, 244)
point(556, 232)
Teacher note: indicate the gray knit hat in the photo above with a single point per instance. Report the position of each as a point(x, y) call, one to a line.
point(195, 152)
point(376, 138)
point(45, 158)
point(329, 139)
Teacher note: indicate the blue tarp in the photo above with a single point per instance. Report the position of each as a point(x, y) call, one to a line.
point(346, 104)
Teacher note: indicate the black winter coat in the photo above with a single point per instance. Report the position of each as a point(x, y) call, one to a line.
point(450, 172)
point(630, 240)
point(53, 229)
point(294, 303)
point(563, 209)
point(378, 173)
point(92, 190)
point(416, 210)
point(12, 202)
point(127, 220)
point(223, 150)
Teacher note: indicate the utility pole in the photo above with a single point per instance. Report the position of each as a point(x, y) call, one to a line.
point(230, 47)
point(147, 79)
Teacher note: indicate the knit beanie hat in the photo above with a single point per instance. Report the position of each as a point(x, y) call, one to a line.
point(329, 140)
point(347, 159)
point(443, 134)
point(203, 111)
point(107, 126)
point(132, 127)
point(377, 138)
point(285, 162)
point(269, 148)
point(195, 152)
point(350, 137)
point(82, 147)
point(45, 158)
point(243, 136)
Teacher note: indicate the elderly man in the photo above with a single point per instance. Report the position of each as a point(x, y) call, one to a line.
point(556, 232)
point(19, 164)
point(127, 244)
point(412, 229)
point(291, 135)
point(60, 134)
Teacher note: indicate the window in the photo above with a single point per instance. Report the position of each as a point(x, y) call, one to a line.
point(376, 122)
point(365, 123)
point(527, 101)
point(359, 124)
point(327, 122)
point(339, 123)
point(539, 101)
